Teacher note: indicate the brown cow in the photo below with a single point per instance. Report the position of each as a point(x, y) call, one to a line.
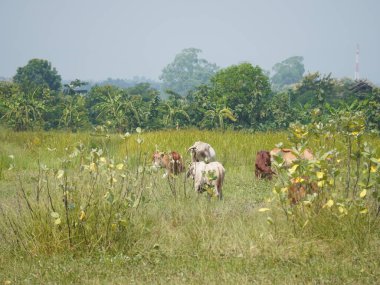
point(171, 162)
point(300, 187)
point(263, 165)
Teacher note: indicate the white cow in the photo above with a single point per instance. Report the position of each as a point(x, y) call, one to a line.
point(207, 175)
point(201, 151)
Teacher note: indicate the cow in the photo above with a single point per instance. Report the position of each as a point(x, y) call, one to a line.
point(263, 165)
point(207, 175)
point(201, 151)
point(300, 187)
point(288, 155)
point(171, 162)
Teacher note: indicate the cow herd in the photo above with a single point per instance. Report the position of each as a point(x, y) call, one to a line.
point(208, 174)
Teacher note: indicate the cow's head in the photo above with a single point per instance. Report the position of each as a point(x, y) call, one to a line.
point(157, 159)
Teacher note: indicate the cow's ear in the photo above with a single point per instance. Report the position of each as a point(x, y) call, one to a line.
point(162, 154)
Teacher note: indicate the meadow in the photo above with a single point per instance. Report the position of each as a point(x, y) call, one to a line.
point(87, 208)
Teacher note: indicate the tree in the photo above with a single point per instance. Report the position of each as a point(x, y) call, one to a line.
point(288, 72)
point(187, 71)
point(216, 117)
point(243, 88)
point(280, 111)
point(73, 86)
point(74, 114)
point(22, 111)
point(109, 103)
point(315, 89)
point(37, 74)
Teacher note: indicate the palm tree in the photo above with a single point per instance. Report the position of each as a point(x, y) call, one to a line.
point(173, 113)
point(23, 111)
point(73, 112)
point(217, 115)
point(114, 106)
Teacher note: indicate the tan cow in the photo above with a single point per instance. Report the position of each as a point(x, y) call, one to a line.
point(207, 174)
point(171, 162)
point(288, 155)
point(201, 151)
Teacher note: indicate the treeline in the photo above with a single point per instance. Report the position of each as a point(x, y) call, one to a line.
point(195, 94)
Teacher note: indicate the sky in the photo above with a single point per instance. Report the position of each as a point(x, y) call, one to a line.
point(100, 39)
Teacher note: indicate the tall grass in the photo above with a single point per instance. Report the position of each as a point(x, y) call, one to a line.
point(107, 217)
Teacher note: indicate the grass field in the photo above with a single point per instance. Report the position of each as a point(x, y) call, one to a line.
point(73, 215)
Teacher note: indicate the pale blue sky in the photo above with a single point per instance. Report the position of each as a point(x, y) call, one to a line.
point(96, 39)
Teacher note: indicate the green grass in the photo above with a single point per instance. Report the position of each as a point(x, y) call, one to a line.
point(187, 240)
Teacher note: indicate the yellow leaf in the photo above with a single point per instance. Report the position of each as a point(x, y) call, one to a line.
point(320, 175)
point(60, 173)
point(102, 159)
point(92, 166)
point(341, 209)
point(320, 183)
point(293, 168)
point(329, 204)
point(82, 215)
point(373, 168)
point(298, 180)
point(284, 189)
point(354, 133)
point(363, 193)
point(264, 209)
point(364, 211)
point(57, 221)
point(270, 221)
point(120, 166)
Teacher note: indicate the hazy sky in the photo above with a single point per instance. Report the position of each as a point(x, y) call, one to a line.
point(98, 39)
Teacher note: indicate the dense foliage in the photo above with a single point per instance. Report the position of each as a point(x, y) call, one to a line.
point(197, 94)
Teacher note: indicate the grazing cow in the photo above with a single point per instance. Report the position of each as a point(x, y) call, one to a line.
point(263, 165)
point(289, 156)
point(206, 175)
point(171, 162)
point(201, 151)
point(300, 187)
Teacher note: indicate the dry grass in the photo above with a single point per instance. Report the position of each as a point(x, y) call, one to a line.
point(187, 240)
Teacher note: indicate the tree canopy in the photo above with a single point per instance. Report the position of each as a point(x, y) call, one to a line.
point(38, 73)
point(187, 71)
point(288, 72)
point(242, 88)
